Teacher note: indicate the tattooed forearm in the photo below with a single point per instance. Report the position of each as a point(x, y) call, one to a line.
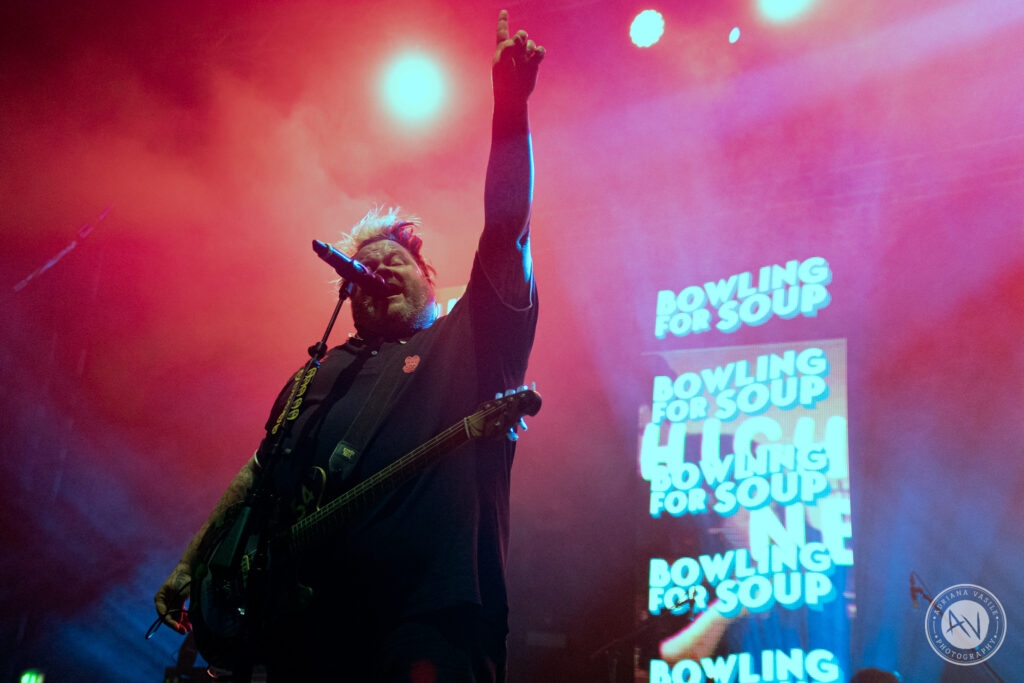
point(236, 492)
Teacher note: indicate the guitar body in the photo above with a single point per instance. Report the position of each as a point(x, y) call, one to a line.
point(219, 599)
point(230, 609)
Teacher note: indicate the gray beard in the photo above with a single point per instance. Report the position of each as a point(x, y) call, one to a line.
point(404, 322)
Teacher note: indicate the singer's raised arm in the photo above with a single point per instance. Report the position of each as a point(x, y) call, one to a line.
point(504, 248)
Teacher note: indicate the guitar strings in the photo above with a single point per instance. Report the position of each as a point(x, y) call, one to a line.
point(302, 531)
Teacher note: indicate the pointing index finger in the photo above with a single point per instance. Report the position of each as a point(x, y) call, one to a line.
point(502, 26)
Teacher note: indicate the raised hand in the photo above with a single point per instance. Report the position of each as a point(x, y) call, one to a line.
point(516, 60)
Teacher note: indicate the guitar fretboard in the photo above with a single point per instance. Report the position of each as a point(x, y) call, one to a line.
point(322, 524)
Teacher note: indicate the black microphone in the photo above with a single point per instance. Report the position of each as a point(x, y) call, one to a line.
point(913, 591)
point(354, 271)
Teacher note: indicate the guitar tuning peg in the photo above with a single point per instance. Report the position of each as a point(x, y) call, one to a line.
point(522, 424)
point(512, 436)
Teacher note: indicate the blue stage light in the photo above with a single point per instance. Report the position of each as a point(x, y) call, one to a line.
point(647, 28)
point(783, 10)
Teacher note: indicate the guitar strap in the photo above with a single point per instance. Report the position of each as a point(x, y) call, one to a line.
point(390, 384)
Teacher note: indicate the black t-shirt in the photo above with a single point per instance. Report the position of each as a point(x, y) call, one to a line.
point(441, 538)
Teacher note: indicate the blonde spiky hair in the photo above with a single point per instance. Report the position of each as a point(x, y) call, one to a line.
point(389, 223)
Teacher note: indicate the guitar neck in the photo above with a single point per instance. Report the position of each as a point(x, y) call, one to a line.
point(318, 526)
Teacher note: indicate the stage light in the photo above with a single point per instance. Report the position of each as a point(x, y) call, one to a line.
point(647, 28)
point(734, 34)
point(413, 87)
point(31, 676)
point(783, 10)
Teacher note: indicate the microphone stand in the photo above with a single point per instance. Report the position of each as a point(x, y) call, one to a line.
point(254, 517)
point(922, 591)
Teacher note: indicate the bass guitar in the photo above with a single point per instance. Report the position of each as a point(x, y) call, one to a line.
point(230, 598)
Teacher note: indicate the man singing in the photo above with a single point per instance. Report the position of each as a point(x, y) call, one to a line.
point(413, 589)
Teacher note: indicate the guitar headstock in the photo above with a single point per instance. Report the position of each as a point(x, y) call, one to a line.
point(504, 414)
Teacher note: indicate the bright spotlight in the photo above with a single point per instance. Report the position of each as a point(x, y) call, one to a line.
point(734, 34)
point(783, 10)
point(413, 87)
point(647, 28)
